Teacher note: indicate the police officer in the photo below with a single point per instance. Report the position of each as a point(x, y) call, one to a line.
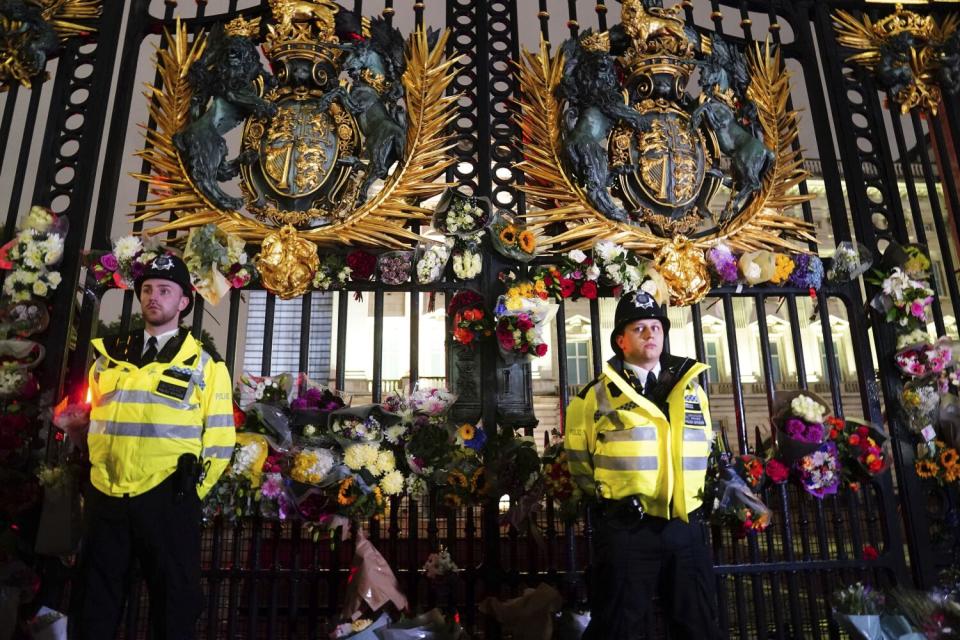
point(161, 433)
point(638, 437)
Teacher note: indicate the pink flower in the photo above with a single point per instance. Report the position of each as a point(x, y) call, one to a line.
point(541, 349)
point(506, 339)
point(109, 262)
point(917, 309)
point(524, 323)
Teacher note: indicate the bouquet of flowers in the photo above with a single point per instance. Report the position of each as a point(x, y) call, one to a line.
point(312, 406)
point(431, 261)
point(512, 240)
point(574, 277)
point(470, 322)
point(460, 214)
point(937, 461)
point(558, 483)
point(860, 447)
point(919, 361)
point(217, 262)
point(819, 472)
point(32, 255)
point(850, 261)
point(903, 300)
point(439, 565)
point(751, 469)
point(807, 272)
point(467, 260)
point(395, 267)
point(920, 401)
point(520, 316)
point(783, 268)
point(758, 267)
point(625, 272)
point(23, 319)
point(333, 272)
point(857, 609)
point(798, 424)
point(361, 265)
point(238, 492)
point(730, 497)
point(125, 263)
point(723, 264)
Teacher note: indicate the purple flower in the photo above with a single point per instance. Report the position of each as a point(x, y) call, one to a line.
point(814, 433)
point(109, 262)
point(137, 269)
point(795, 428)
point(724, 263)
point(808, 272)
point(299, 404)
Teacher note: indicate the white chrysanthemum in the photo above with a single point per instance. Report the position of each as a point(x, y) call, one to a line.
point(53, 279)
point(593, 272)
point(416, 487)
point(385, 462)
point(394, 433)
point(52, 249)
point(127, 247)
point(245, 457)
point(359, 456)
point(392, 483)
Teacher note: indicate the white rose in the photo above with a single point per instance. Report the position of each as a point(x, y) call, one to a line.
point(53, 279)
point(40, 288)
point(753, 272)
point(593, 272)
point(577, 256)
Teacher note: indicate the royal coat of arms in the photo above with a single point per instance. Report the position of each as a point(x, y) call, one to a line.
point(338, 144)
point(618, 149)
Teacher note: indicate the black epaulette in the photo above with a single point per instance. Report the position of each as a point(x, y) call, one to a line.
point(582, 394)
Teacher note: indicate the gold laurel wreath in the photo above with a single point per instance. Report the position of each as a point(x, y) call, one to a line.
point(380, 222)
point(61, 13)
point(762, 225)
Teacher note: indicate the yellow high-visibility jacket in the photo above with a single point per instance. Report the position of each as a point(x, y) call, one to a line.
point(143, 419)
point(620, 444)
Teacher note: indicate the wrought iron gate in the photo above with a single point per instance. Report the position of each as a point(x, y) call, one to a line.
point(267, 579)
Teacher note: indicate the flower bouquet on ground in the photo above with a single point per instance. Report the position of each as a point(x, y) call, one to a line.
point(576, 276)
point(48, 624)
point(372, 594)
point(432, 625)
point(860, 447)
point(521, 314)
point(857, 609)
point(395, 267)
point(431, 260)
point(528, 617)
point(798, 418)
point(237, 493)
point(441, 571)
point(217, 262)
point(513, 468)
point(820, 472)
point(850, 261)
point(471, 323)
point(460, 214)
point(512, 240)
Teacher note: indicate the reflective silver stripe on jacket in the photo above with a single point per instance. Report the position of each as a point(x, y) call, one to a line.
point(625, 463)
point(144, 430)
point(129, 396)
point(629, 435)
point(218, 452)
point(605, 408)
point(578, 456)
point(694, 434)
point(219, 420)
point(694, 464)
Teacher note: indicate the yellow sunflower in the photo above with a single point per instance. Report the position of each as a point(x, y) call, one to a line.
point(528, 242)
point(927, 468)
point(466, 432)
point(508, 235)
point(952, 474)
point(457, 478)
point(949, 458)
point(452, 500)
point(478, 481)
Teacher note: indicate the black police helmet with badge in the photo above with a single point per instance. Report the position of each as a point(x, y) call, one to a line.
point(167, 266)
point(638, 305)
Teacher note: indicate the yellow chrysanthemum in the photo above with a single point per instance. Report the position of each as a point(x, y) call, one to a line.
point(784, 267)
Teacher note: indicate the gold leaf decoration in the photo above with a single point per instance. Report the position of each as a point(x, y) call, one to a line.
point(380, 222)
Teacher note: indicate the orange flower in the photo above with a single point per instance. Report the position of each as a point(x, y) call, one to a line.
point(457, 478)
point(528, 242)
point(927, 468)
point(949, 458)
point(342, 495)
point(952, 474)
point(508, 235)
point(463, 336)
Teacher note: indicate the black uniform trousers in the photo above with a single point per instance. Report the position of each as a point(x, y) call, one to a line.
point(636, 558)
point(160, 530)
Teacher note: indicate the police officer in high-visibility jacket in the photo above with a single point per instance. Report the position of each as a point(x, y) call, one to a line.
point(638, 438)
point(161, 434)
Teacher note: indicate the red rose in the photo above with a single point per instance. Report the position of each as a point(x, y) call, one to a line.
point(541, 349)
point(777, 471)
point(548, 280)
point(567, 287)
point(524, 323)
point(870, 552)
point(361, 264)
point(239, 417)
point(589, 290)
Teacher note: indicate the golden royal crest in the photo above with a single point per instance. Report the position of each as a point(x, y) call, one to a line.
point(338, 146)
point(619, 151)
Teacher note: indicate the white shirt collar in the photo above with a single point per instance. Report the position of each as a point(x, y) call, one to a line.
point(162, 339)
point(642, 373)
